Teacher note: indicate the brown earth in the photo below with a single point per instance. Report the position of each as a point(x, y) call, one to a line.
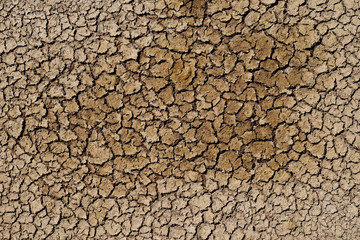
point(179, 119)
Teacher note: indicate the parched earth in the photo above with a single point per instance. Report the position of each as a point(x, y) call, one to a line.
point(179, 119)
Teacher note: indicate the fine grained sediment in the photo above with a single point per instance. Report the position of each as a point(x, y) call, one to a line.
point(172, 119)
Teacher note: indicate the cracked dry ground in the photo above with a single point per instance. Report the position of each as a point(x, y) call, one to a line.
point(179, 119)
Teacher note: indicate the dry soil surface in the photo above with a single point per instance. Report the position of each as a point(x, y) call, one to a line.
point(179, 119)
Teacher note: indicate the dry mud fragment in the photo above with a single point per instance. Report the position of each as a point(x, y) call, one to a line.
point(179, 119)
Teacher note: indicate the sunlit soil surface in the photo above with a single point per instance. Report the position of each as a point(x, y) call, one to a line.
point(179, 119)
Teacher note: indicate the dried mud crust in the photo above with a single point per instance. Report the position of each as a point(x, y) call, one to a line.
point(179, 119)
